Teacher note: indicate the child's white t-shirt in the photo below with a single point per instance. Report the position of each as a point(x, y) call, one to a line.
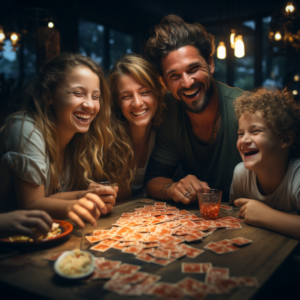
point(285, 198)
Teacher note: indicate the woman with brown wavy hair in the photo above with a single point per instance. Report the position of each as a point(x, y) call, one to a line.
point(137, 107)
point(59, 141)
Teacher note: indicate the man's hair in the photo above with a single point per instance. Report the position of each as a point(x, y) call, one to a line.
point(278, 108)
point(173, 33)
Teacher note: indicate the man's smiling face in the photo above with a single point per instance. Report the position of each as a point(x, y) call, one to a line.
point(189, 77)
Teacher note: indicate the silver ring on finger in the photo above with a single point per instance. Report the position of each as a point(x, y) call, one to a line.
point(186, 195)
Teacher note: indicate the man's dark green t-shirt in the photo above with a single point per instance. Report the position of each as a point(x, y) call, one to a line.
point(213, 163)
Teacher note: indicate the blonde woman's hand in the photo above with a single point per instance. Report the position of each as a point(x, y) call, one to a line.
point(108, 193)
point(87, 209)
point(21, 222)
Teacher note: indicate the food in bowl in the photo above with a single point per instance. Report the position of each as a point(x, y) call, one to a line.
point(54, 231)
point(75, 264)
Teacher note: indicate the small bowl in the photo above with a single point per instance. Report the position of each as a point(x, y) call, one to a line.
point(58, 261)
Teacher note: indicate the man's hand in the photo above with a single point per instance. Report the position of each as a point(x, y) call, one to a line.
point(21, 222)
point(186, 189)
point(254, 212)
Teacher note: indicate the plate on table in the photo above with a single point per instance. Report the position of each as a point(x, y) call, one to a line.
point(64, 227)
point(75, 264)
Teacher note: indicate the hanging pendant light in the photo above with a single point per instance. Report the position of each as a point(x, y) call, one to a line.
point(221, 50)
point(2, 35)
point(290, 7)
point(277, 36)
point(239, 49)
point(232, 38)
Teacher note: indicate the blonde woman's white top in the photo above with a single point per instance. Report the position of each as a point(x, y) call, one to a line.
point(23, 153)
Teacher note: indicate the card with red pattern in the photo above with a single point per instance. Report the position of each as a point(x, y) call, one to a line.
point(128, 269)
point(166, 291)
point(100, 247)
point(191, 268)
point(240, 241)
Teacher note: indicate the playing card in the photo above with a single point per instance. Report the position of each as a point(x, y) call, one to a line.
point(163, 231)
point(145, 257)
point(219, 249)
point(225, 285)
point(150, 279)
point(134, 290)
point(178, 254)
point(190, 251)
point(107, 265)
point(163, 262)
point(246, 281)
point(205, 267)
point(109, 242)
point(146, 200)
point(151, 245)
point(93, 239)
point(166, 239)
point(234, 226)
point(116, 287)
point(240, 241)
point(191, 268)
point(166, 291)
point(128, 269)
point(100, 247)
point(214, 273)
point(132, 249)
point(131, 278)
point(226, 207)
point(163, 254)
point(193, 237)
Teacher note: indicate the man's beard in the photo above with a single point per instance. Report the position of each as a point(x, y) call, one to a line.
point(199, 105)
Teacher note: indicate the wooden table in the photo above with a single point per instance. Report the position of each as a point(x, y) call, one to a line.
point(27, 273)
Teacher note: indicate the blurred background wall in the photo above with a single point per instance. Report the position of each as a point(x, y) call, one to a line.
point(106, 30)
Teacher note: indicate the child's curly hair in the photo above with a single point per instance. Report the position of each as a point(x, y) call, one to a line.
point(278, 108)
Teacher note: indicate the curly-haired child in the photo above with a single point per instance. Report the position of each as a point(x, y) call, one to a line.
point(267, 183)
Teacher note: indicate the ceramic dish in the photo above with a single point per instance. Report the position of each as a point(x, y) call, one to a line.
point(65, 227)
point(89, 270)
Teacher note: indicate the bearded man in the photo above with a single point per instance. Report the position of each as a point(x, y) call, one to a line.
point(200, 129)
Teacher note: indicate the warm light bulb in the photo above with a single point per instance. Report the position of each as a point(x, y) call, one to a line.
point(277, 36)
point(2, 35)
point(239, 49)
point(296, 77)
point(14, 37)
point(232, 36)
point(290, 7)
point(50, 25)
point(295, 92)
point(221, 50)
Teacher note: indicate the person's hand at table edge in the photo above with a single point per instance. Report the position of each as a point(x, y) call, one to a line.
point(21, 222)
point(184, 191)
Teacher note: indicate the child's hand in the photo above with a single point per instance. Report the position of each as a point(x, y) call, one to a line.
point(88, 209)
point(254, 212)
point(20, 222)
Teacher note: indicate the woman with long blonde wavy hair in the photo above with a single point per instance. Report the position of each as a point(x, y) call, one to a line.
point(137, 110)
point(59, 142)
